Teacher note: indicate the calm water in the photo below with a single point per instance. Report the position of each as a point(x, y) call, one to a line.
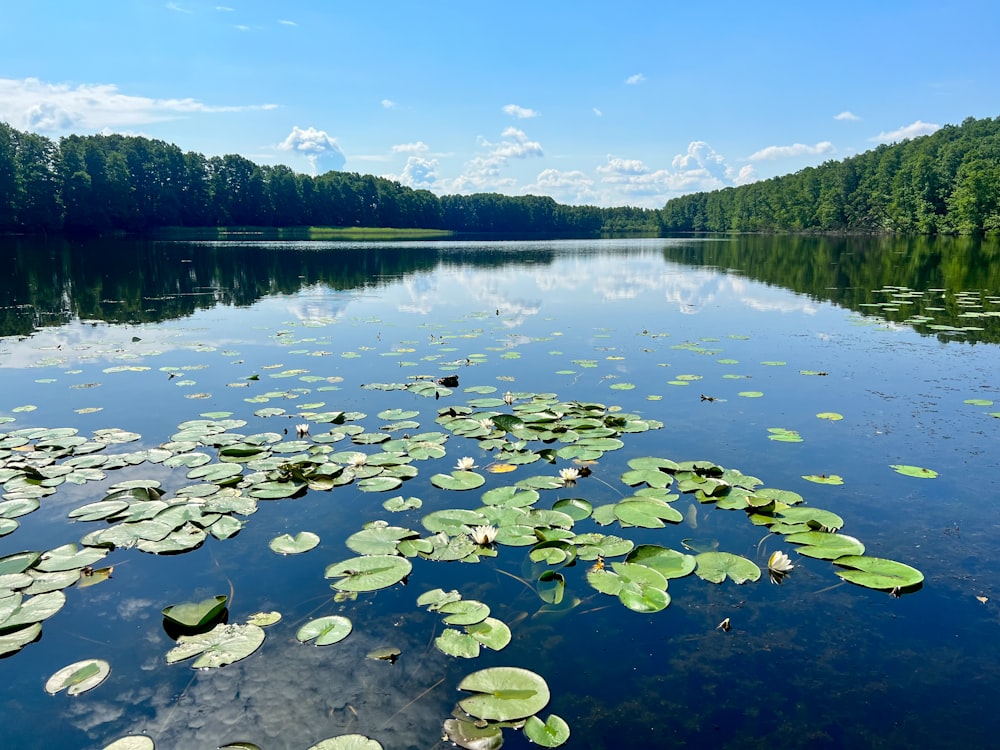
point(896, 337)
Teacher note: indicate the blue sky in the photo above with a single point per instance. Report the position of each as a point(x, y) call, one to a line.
point(605, 103)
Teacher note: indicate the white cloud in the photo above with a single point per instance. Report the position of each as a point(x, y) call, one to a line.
point(177, 8)
point(419, 147)
point(419, 173)
point(314, 144)
point(224, 9)
point(573, 187)
point(796, 149)
point(521, 113)
point(846, 115)
point(635, 79)
point(241, 27)
point(388, 103)
point(484, 171)
point(906, 132)
point(283, 22)
point(598, 112)
point(30, 104)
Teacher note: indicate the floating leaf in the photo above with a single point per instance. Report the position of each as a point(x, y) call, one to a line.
point(458, 480)
point(325, 630)
point(830, 415)
point(826, 545)
point(196, 614)
point(222, 645)
point(68, 557)
point(824, 478)
point(78, 677)
point(347, 742)
point(131, 742)
point(456, 643)
point(878, 573)
point(717, 566)
point(286, 544)
point(913, 471)
point(504, 694)
point(552, 732)
point(369, 573)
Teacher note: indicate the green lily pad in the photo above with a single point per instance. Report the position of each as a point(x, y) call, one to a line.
point(222, 645)
point(378, 539)
point(286, 544)
point(830, 415)
point(667, 562)
point(458, 480)
point(456, 643)
point(826, 545)
point(131, 742)
point(464, 612)
point(834, 479)
point(715, 567)
point(491, 632)
point(877, 573)
point(399, 503)
point(347, 742)
point(78, 677)
point(69, 556)
point(18, 639)
point(913, 471)
point(504, 694)
point(196, 614)
point(369, 573)
point(325, 630)
point(552, 732)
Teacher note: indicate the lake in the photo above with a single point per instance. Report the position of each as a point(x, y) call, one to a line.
point(619, 411)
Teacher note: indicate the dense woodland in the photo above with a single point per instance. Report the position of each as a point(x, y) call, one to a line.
point(113, 183)
point(945, 183)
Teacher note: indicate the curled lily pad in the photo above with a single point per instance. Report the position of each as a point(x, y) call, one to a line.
point(504, 694)
point(222, 645)
point(369, 573)
point(78, 677)
point(877, 573)
point(286, 544)
point(196, 614)
point(325, 630)
point(18, 639)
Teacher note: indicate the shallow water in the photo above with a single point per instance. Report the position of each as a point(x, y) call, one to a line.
point(895, 337)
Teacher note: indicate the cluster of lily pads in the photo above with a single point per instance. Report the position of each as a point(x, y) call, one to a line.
point(229, 472)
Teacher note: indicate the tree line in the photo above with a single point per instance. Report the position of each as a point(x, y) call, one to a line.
point(101, 184)
point(944, 183)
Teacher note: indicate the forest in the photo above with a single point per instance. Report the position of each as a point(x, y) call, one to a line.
point(100, 184)
point(944, 183)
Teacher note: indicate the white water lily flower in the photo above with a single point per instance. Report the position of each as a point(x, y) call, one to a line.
point(302, 429)
point(484, 535)
point(486, 424)
point(357, 460)
point(778, 566)
point(508, 398)
point(569, 476)
point(465, 463)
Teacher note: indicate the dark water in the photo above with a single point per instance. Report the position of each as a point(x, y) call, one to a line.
point(904, 333)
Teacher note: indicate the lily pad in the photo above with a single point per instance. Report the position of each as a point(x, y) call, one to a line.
point(552, 732)
point(458, 480)
point(325, 630)
point(826, 545)
point(131, 742)
point(369, 573)
point(196, 614)
point(504, 694)
point(78, 677)
point(286, 544)
point(914, 471)
point(347, 742)
point(715, 567)
point(222, 645)
point(877, 573)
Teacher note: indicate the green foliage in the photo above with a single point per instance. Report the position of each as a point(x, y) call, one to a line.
point(945, 183)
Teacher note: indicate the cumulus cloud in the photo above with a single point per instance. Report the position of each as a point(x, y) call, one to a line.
point(846, 115)
point(914, 130)
point(796, 149)
point(388, 103)
point(521, 113)
point(635, 79)
point(314, 145)
point(573, 186)
point(484, 171)
point(31, 104)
